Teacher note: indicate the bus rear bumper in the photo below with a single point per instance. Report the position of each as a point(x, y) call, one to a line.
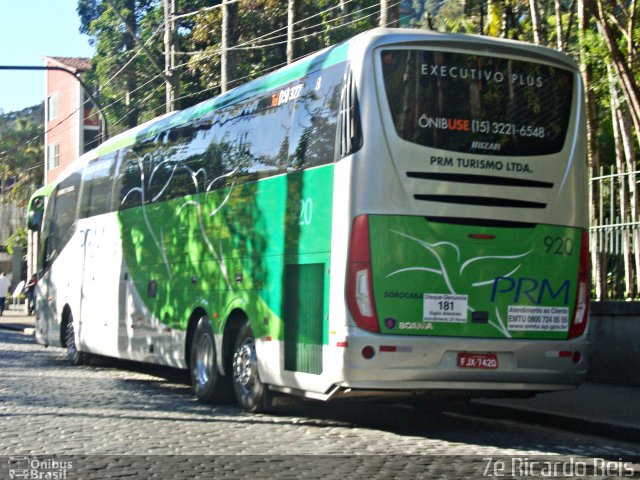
point(409, 363)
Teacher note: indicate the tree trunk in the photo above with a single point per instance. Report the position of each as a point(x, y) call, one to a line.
point(536, 21)
point(131, 118)
point(619, 183)
point(598, 257)
point(631, 204)
point(559, 24)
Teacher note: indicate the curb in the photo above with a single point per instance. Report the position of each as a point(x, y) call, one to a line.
point(17, 327)
point(593, 426)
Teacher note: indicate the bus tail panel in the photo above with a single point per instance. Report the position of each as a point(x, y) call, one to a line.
point(445, 279)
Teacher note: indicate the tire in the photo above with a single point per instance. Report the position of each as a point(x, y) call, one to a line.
point(74, 356)
point(251, 393)
point(205, 377)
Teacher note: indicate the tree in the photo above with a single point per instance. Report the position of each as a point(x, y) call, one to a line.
point(21, 154)
point(119, 66)
point(215, 55)
point(617, 23)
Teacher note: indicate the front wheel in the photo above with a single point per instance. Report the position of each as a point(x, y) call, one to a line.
point(251, 393)
point(75, 356)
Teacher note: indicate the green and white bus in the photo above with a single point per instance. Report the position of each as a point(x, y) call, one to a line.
point(403, 212)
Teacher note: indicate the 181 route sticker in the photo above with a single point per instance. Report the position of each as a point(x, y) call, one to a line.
point(445, 308)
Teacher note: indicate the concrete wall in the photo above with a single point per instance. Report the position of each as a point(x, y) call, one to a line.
point(614, 351)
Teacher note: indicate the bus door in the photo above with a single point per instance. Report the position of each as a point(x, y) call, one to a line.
point(95, 311)
point(101, 259)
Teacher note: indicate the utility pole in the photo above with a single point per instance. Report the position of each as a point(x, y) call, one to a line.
point(226, 57)
point(344, 10)
point(171, 77)
point(139, 42)
point(389, 14)
point(291, 18)
point(384, 13)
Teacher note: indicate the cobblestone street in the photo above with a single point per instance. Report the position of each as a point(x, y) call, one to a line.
point(116, 408)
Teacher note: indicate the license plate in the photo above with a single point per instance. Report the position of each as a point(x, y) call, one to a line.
point(478, 360)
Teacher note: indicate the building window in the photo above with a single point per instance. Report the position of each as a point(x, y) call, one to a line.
point(91, 139)
point(52, 107)
point(53, 156)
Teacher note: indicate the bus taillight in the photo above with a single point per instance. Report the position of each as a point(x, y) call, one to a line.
point(359, 280)
point(581, 312)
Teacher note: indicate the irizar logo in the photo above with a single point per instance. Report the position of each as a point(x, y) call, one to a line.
point(529, 290)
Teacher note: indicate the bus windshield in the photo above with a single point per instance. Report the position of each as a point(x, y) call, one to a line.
point(477, 104)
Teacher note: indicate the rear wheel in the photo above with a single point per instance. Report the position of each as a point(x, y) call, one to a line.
point(74, 356)
point(251, 393)
point(204, 372)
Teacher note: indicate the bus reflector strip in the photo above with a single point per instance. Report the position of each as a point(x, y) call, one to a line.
point(575, 357)
point(395, 348)
point(342, 344)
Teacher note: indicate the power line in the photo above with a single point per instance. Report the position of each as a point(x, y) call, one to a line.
point(107, 83)
point(247, 45)
point(256, 47)
point(204, 9)
point(270, 36)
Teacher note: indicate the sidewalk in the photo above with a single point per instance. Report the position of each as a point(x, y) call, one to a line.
point(596, 408)
point(17, 319)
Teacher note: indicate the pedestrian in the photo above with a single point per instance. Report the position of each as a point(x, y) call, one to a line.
point(4, 290)
point(30, 288)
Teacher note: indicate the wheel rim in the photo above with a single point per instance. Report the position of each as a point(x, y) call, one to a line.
point(204, 359)
point(244, 365)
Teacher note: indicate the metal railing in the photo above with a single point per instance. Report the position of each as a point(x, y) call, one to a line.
point(615, 235)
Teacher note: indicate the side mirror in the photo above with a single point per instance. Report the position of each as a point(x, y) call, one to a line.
point(36, 212)
point(34, 220)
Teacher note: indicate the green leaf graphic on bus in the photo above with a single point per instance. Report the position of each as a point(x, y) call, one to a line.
point(452, 272)
point(487, 282)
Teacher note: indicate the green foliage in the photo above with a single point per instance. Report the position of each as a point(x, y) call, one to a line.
point(18, 239)
point(21, 154)
point(133, 90)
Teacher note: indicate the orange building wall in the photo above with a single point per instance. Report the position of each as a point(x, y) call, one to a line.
point(64, 130)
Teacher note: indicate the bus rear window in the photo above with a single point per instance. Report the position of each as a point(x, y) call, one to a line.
point(477, 104)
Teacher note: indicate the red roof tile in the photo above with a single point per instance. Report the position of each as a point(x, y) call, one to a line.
point(76, 64)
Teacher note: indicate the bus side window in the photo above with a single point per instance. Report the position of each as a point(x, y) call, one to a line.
point(255, 137)
point(61, 222)
point(96, 191)
point(127, 181)
point(45, 234)
point(46, 253)
point(178, 169)
point(314, 125)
